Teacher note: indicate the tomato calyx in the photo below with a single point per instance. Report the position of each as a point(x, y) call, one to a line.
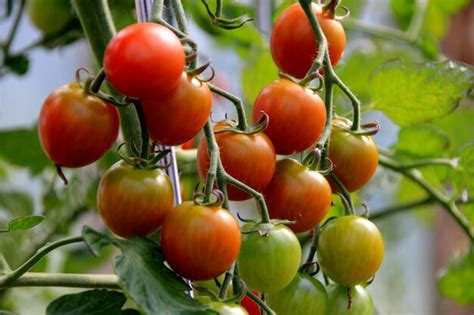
point(310, 268)
point(329, 10)
point(261, 227)
point(231, 126)
point(307, 81)
point(367, 129)
point(197, 72)
point(227, 24)
point(216, 199)
point(152, 161)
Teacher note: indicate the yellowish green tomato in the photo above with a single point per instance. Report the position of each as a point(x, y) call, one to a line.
point(338, 302)
point(228, 308)
point(49, 16)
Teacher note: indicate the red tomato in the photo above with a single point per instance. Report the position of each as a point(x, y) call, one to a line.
point(297, 194)
point(76, 129)
point(297, 115)
point(250, 305)
point(248, 158)
point(179, 116)
point(293, 44)
point(200, 242)
point(144, 60)
point(134, 202)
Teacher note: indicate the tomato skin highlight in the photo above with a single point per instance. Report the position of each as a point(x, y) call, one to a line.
point(269, 263)
point(297, 194)
point(200, 242)
point(178, 117)
point(227, 308)
point(303, 296)
point(144, 60)
point(297, 115)
point(354, 157)
point(293, 45)
point(338, 302)
point(134, 202)
point(68, 126)
point(350, 250)
point(248, 158)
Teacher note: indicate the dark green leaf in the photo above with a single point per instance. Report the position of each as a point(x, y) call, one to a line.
point(94, 240)
point(422, 141)
point(17, 63)
point(25, 223)
point(410, 94)
point(17, 203)
point(457, 280)
point(93, 302)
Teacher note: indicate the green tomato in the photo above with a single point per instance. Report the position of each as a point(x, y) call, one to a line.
point(269, 263)
point(228, 308)
point(303, 296)
point(50, 16)
point(338, 301)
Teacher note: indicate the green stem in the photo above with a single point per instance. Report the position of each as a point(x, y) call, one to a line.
point(157, 10)
point(354, 101)
point(10, 277)
point(222, 183)
point(227, 279)
point(144, 143)
point(453, 163)
point(260, 302)
point(239, 107)
point(213, 153)
point(41, 279)
point(13, 30)
point(345, 195)
point(400, 208)
point(314, 244)
point(180, 15)
point(218, 8)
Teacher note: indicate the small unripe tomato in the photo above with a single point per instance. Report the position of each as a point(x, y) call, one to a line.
point(49, 16)
point(360, 301)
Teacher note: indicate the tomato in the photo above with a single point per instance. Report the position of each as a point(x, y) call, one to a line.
point(49, 16)
point(297, 194)
point(76, 129)
point(297, 115)
point(361, 302)
point(303, 296)
point(293, 44)
point(269, 263)
point(227, 308)
point(144, 60)
point(354, 158)
point(134, 202)
point(200, 242)
point(350, 250)
point(180, 116)
point(250, 305)
point(248, 158)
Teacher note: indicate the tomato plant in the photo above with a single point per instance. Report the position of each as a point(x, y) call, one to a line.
point(227, 308)
point(297, 115)
point(50, 16)
point(238, 153)
point(350, 250)
point(144, 60)
point(338, 303)
point(133, 201)
point(304, 295)
point(297, 194)
point(293, 45)
point(177, 118)
point(268, 263)
point(67, 124)
point(200, 242)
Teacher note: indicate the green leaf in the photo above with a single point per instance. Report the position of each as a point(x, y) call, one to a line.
point(410, 94)
point(92, 302)
point(457, 280)
point(458, 126)
point(21, 147)
point(434, 141)
point(17, 203)
point(24, 223)
point(94, 240)
point(467, 167)
point(18, 64)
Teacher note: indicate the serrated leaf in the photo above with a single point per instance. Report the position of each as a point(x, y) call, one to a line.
point(24, 223)
point(92, 302)
point(457, 280)
point(422, 141)
point(410, 94)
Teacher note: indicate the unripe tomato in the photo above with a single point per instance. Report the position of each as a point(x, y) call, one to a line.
point(297, 194)
point(49, 16)
point(303, 296)
point(200, 242)
point(134, 202)
point(350, 250)
point(144, 60)
point(297, 115)
point(178, 117)
point(227, 308)
point(338, 303)
point(269, 263)
point(354, 158)
point(76, 129)
point(293, 44)
point(248, 158)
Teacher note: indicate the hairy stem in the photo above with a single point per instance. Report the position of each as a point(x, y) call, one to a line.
point(239, 107)
point(260, 302)
point(213, 153)
point(41, 279)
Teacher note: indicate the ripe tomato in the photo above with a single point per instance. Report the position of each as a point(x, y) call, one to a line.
point(354, 158)
point(350, 250)
point(250, 305)
point(293, 44)
point(49, 16)
point(178, 117)
point(338, 301)
point(297, 194)
point(76, 129)
point(144, 60)
point(200, 242)
point(134, 202)
point(269, 263)
point(303, 296)
point(227, 308)
point(248, 158)
point(297, 115)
